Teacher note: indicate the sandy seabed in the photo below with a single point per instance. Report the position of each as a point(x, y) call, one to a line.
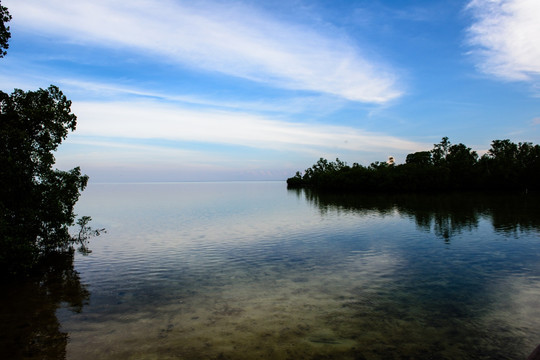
point(318, 315)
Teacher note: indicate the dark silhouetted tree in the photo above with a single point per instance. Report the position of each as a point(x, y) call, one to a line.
point(440, 151)
point(5, 17)
point(461, 161)
point(422, 158)
point(36, 201)
point(446, 167)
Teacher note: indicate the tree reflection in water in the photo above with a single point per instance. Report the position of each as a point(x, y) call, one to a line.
point(29, 327)
point(444, 214)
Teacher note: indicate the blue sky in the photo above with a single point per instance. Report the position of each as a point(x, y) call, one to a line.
point(176, 90)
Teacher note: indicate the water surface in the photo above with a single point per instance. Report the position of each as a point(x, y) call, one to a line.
point(255, 271)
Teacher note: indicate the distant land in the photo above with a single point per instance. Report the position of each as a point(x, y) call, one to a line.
point(447, 167)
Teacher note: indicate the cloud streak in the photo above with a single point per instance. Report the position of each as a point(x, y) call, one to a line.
point(234, 40)
point(505, 33)
point(282, 105)
point(155, 120)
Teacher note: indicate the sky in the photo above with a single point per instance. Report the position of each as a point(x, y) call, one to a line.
point(174, 90)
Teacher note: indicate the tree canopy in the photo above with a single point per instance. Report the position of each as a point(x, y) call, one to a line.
point(36, 201)
point(5, 17)
point(447, 167)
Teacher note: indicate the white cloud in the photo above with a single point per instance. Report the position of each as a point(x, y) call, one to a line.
point(133, 154)
point(506, 34)
point(153, 120)
point(232, 39)
point(288, 105)
point(77, 89)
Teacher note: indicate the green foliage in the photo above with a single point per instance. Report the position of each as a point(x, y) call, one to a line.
point(447, 167)
point(36, 201)
point(5, 17)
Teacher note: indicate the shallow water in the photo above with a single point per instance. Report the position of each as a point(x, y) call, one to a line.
point(255, 271)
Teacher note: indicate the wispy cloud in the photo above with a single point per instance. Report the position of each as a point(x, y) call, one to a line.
point(126, 154)
point(231, 39)
point(90, 89)
point(505, 34)
point(283, 105)
point(155, 120)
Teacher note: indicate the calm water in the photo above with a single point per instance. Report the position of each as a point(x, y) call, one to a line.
point(256, 271)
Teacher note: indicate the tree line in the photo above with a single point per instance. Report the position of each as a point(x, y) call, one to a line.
point(447, 167)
